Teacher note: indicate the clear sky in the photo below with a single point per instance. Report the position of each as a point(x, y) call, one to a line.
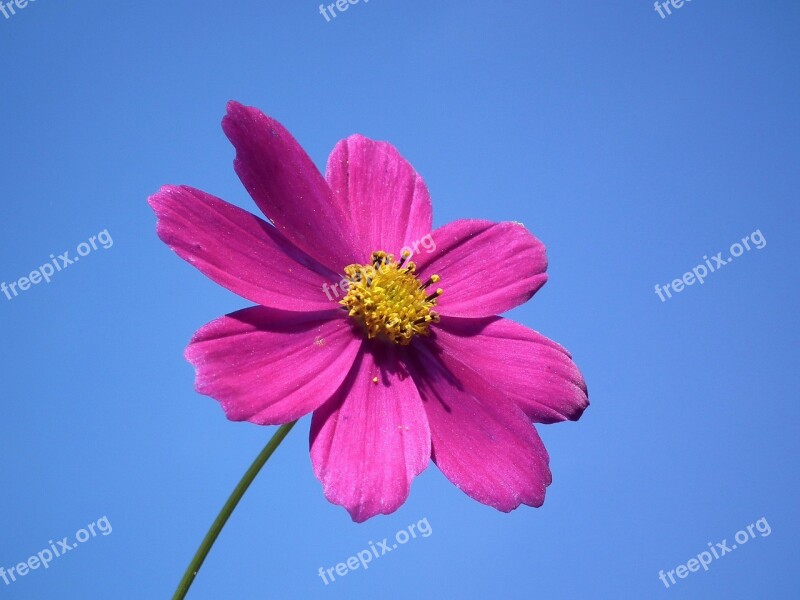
point(632, 145)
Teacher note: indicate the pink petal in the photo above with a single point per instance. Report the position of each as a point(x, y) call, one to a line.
point(269, 367)
point(486, 268)
point(487, 448)
point(287, 187)
point(496, 358)
point(371, 439)
point(239, 251)
point(387, 201)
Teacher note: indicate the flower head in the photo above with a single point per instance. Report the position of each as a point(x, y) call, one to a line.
point(381, 327)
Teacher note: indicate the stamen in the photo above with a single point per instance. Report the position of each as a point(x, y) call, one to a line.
point(435, 295)
point(405, 256)
point(431, 279)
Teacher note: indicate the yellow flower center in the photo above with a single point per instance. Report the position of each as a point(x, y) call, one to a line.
point(388, 300)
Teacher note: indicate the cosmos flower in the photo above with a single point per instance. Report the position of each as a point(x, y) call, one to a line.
point(410, 362)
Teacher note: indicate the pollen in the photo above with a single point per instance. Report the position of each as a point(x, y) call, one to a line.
point(388, 300)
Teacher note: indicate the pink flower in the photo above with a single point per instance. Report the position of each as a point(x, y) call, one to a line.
point(410, 362)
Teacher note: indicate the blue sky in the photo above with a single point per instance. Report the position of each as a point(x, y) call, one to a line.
point(632, 145)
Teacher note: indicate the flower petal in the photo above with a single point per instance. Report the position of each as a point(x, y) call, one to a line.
point(486, 268)
point(270, 367)
point(388, 203)
point(496, 358)
point(370, 440)
point(488, 449)
point(239, 251)
point(287, 187)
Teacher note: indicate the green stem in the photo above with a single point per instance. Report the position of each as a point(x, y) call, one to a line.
point(225, 513)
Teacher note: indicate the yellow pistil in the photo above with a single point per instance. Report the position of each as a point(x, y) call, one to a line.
point(388, 300)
